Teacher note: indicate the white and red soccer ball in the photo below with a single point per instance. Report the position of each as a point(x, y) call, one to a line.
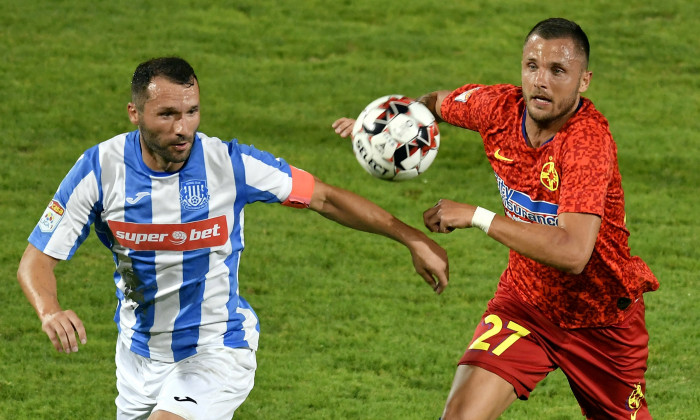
point(395, 138)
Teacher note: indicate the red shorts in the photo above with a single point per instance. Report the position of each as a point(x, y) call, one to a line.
point(605, 366)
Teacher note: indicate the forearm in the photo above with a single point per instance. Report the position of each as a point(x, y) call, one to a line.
point(549, 245)
point(38, 282)
point(36, 277)
point(358, 213)
point(433, 101)
point(567, 246)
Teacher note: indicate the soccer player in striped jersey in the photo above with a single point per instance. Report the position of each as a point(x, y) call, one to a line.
point(571, 295)
point(168, 201)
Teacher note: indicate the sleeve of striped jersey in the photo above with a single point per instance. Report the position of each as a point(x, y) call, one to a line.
point(302, 189)
point(72, 211)
point(271, 179)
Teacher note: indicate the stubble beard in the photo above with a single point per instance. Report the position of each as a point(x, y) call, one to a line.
point(544, 120)
point(150, 140)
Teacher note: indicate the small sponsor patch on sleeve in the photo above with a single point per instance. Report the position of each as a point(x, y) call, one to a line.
point(464, 96)
point(302, 189)
point(51, 217)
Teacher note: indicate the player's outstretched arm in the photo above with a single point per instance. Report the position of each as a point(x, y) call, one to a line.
point(37, 279)
point(567, 247)
point(354, 211)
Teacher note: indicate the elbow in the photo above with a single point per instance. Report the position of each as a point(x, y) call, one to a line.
point(575, 265)
point(22, 270)
point(575, 270)
point(571, 260)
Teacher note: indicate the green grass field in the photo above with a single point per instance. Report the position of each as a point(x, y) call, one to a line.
point(349, 331)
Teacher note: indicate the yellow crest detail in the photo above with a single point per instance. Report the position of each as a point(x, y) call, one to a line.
point(634, 401)
point(549, 176)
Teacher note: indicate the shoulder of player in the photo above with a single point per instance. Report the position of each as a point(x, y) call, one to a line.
point(102, 151)
point(207, 139)
point(587, 133)
point(505, 91)
point(590, 113)
point(589, 120)
point(215, 142)
point(487, 98)
point(112, 147)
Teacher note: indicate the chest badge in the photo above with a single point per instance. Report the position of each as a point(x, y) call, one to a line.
point(549, 176)
point(194, 194)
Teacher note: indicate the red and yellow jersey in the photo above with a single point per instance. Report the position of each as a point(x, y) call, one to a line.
point(574, 172)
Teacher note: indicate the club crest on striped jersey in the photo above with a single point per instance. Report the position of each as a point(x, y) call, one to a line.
point(194, 194)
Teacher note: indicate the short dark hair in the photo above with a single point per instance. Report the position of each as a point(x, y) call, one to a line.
point(556, 28)
point(175, 69)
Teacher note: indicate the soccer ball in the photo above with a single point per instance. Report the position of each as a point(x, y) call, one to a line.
point(395, 138)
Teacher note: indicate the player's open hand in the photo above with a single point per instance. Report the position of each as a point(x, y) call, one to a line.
point(61, 327)
point(448, 215)
point(343, 126)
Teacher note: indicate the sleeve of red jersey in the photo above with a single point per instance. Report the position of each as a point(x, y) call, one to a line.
point(302, 189)
point(587, 170)
point(460, 109)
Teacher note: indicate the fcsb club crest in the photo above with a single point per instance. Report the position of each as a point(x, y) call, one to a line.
point(549, 176)
point(194, 194)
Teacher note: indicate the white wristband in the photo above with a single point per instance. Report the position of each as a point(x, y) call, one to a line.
point(482, 219)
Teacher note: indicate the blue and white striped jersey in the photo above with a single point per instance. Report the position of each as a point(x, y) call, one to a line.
point(176, 238)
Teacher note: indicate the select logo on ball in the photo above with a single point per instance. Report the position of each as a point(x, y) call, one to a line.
point(363, 153)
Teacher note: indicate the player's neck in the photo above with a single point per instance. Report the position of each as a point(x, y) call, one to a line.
point(156, 162)
point(536, 135)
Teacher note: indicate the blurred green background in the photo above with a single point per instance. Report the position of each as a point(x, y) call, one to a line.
point(349, 331)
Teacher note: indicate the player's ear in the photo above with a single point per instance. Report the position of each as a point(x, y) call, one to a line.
point(585, 81)
point(133, 113)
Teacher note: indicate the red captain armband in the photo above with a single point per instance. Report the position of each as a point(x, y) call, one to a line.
point(302, 189)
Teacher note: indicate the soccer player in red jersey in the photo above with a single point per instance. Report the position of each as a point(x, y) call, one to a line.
point(571, 295)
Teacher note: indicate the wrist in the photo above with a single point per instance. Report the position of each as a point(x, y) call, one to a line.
point(482, 219)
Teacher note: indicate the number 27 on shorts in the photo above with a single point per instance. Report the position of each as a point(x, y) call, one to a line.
point(496, 323)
